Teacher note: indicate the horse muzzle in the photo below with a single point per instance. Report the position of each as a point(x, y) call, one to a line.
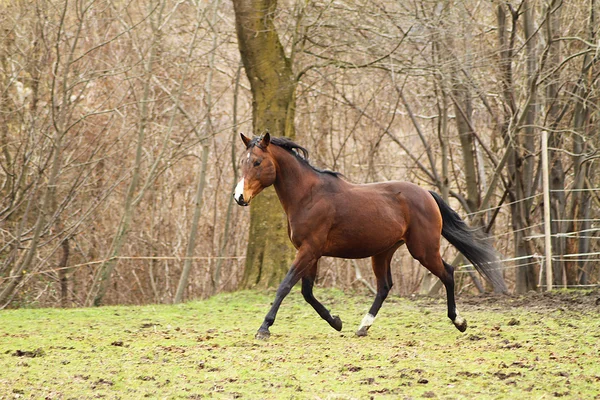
point(240, 200)
point(238, 194)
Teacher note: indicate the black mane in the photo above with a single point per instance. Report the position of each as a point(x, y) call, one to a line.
point(293, 148)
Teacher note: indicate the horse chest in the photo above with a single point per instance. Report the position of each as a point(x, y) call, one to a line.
point(296, 235)
point(309, 224)
point(303, 232)
point(291, 232)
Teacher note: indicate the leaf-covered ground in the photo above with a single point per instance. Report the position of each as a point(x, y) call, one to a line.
point(537, 346)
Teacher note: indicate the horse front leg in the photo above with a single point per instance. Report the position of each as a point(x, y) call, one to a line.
point(308, 282)
point(298, 269)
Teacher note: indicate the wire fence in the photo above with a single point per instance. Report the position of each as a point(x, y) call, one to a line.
point(536, 232)
point(538, 260)
point(486, 210)
point(503, 235)
point(505, 264)
point(26, 274)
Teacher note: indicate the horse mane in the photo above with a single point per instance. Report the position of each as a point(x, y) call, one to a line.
point(301, 153)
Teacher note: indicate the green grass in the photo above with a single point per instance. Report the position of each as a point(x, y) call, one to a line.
point(206, 349)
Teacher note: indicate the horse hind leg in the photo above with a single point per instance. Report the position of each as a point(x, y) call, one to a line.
point(383, 274)
point(432, 260)
point(308, 282)
point(448, 280)
point(445, 272)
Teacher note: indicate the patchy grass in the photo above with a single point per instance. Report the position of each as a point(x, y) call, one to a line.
point(519, 347)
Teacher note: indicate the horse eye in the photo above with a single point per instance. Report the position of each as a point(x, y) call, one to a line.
point(257, 163)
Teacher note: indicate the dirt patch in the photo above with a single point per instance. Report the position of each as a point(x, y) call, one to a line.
point(29, 353)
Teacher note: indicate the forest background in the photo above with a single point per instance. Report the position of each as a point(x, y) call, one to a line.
point(119, 144)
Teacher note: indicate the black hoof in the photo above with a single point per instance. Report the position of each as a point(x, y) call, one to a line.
point(362, 331)
point(461, 325)
point(262, 335)
point(336, 323)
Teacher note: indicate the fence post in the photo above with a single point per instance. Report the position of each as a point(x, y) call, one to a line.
point(547, 228)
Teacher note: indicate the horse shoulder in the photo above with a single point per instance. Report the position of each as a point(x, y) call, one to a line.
point(310, 224)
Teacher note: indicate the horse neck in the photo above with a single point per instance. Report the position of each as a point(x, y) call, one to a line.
point(294, 181)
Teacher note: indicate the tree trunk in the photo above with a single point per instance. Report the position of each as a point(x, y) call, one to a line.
point(580, 224)
point(225, 237)
point(198, 202)
point(63, 274)
point(464, 110)
point(528, 134)
point(579, 198)
point(273, 86)
point(525, 273)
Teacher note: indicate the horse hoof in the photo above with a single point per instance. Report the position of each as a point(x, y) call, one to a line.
point(362, 332)
point(336, 323)
point(262, 335)
point(460, 324)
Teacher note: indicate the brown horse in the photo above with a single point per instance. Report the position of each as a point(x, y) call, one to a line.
point(328, 216)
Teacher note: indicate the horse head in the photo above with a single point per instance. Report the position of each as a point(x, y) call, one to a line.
point(258, 169)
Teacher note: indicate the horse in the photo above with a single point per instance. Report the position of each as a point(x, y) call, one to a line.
point(329, 216)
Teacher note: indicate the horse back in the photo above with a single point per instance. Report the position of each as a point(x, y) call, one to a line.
point(364, 220)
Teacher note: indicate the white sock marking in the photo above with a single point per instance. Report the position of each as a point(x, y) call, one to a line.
point(367, 321)
point(458, 320)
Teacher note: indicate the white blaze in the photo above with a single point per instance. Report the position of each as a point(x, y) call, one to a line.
point(239, 190)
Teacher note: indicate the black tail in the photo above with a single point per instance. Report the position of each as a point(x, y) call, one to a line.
point(473, 246)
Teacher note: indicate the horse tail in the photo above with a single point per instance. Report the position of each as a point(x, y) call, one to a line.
point(471, 244)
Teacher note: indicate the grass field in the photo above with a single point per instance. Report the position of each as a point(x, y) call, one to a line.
point(538, 346)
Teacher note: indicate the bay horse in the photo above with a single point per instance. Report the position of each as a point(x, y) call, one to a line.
point(329, 216)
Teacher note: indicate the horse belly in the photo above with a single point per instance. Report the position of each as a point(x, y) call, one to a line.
point(361, 241)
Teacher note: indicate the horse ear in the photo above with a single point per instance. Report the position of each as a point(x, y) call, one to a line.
point(245, 139)
point(266, 139)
